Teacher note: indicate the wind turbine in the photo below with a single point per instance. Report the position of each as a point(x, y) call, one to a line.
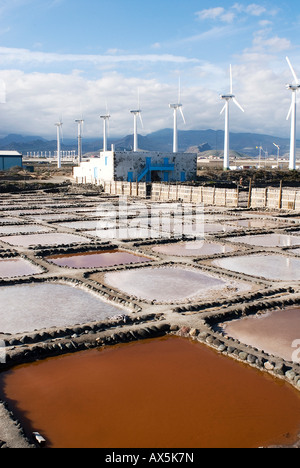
point(80, 127)
point(293, 114)
point(175, 108)
point(135, 114)
point(59, 134)
point(278, 151)
point(105, 118)
point(227, 98)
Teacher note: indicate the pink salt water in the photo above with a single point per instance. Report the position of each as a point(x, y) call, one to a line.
point(192, 249)
point(13, 267)
point(275, 332)
point(97, 259)
point(168, 392)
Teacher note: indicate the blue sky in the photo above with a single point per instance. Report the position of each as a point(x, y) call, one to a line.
point(61, 58)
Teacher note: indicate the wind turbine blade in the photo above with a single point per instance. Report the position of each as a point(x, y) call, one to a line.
point(141, 120)
point(237, 104)
point(292, 70)
point(231, 81)
point(179, 90)
point(290, 111)
point(223, 109)
point(181, 112)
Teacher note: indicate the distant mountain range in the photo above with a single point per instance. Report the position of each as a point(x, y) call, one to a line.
point(162, 140)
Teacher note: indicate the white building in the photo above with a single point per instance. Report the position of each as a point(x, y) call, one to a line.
point(141, 166)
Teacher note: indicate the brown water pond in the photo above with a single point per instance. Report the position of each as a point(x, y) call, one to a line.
point(97, 259)
point(168, 392)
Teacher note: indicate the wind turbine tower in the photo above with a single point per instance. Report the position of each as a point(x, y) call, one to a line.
point(227, 98)
point(80, 126)
point(135, 114)
point(175, 108)
point(105, 118)
point(59, 131)
point(294, 87)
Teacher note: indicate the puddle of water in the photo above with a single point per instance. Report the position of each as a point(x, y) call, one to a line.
point(268, 240)
point(36, 306)
point(169, 392)
point(44, 239)
point(192, 249)
point(13, 267)
point(97, 259)
point(166, 284)
point(275, 332)
point(272, 267)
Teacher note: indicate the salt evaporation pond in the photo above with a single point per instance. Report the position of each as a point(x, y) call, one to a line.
point(192, 249)
point(256, 223)
point(167, 392)
point(97, 259)
point(268, 240)
point(272, 267)
point(13, 267)
point(168, 284)
point(44, 305)
point(44, 239)
point(23, 229)
point(277, 332)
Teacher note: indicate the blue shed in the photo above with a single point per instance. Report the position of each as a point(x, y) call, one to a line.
point(9, 159)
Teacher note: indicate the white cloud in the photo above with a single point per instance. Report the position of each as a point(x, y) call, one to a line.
point(216, 13)
point(26, 56)
point(255, 10)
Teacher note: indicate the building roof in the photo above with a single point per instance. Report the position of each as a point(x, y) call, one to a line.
point(9, 153)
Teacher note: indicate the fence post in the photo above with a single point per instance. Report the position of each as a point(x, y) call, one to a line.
point(250, 194)
point(280, 196)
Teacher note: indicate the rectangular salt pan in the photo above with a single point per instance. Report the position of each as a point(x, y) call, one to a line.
point(45, 305)
point(44, 239)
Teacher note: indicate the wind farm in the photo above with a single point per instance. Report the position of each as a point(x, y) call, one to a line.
point(149, 227)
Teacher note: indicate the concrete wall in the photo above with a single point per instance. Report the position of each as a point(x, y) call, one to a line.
point(96, 170)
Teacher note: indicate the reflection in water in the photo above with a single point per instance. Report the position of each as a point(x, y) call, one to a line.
point(168, 392)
